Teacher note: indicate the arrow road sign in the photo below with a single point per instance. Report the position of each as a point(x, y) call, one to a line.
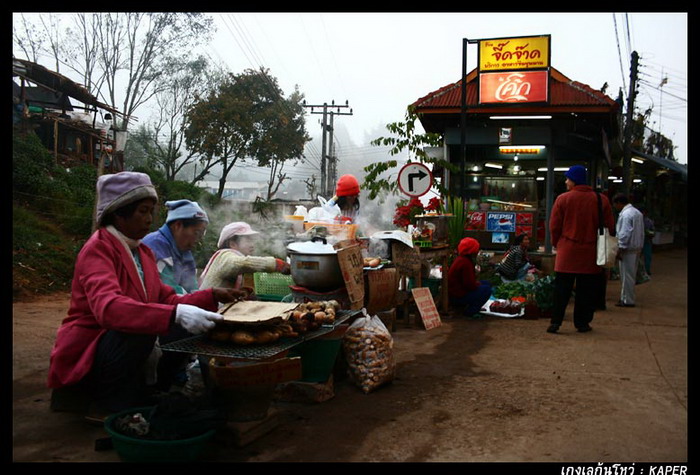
point(415, 179)
point(413, 176)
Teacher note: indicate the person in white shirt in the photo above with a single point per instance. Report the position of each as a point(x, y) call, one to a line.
point(630, 238)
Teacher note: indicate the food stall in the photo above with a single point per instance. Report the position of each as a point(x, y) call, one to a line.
point(507, 208)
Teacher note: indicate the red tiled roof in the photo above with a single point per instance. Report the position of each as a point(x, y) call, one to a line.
point(565, 96)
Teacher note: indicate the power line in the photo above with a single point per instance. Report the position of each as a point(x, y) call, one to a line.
point(619, 53)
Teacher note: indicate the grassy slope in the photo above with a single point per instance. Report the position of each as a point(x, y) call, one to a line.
point(42, 255)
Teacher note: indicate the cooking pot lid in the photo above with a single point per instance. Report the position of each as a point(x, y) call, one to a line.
point(311, 247)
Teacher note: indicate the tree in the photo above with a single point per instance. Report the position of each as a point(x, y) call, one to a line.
point(284, 140)
point(245, 116)
point(163, 138)
point(119, 56)
point(405, 138)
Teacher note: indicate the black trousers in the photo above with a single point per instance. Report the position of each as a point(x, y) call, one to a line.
point(586, 300)
point(117, 381)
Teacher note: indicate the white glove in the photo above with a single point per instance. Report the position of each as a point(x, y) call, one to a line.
point(194, 319)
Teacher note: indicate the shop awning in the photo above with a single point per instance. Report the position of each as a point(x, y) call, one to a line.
point(665, 163)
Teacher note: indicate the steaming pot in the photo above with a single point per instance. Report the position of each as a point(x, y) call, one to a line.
point(314, 265)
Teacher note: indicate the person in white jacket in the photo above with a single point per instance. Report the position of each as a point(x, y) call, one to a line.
point(630, 239)
point(233, 258)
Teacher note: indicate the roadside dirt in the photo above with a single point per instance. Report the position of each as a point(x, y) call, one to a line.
point(488, 390)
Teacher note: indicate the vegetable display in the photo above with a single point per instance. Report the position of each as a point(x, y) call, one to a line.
point(541, 289)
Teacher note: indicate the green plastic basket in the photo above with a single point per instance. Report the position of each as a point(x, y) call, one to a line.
point(272, 286)
point(132, 449)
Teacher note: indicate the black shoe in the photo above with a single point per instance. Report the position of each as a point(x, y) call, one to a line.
point(553, 328)
point(622, 304)
point(585, 329)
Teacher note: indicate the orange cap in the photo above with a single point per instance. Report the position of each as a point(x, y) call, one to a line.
point(347, 186)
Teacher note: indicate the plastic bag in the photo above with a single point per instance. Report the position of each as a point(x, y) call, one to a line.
point(369, 352)
point(319, 215)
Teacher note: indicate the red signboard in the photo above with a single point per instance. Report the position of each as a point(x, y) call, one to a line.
point(513, 87)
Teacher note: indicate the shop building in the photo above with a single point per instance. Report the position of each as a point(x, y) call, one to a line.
point(517, 153)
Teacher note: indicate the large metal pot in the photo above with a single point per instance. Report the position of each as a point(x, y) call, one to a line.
point(314, 265)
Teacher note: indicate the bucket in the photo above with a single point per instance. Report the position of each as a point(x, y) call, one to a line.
point(133, 449)
point(318, 355)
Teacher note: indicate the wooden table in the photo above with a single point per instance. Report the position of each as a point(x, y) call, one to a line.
point(408, 263)
point(443, 253)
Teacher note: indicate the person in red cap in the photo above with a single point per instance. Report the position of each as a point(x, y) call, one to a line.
point(347, 197)
point(463, 288)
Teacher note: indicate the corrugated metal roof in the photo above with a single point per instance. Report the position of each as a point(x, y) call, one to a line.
point(563, 93)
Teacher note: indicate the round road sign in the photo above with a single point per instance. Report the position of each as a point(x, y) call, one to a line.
point(415, 179)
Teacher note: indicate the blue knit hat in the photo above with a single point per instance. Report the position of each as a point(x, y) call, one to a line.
point(577, 174)
point(185, 209)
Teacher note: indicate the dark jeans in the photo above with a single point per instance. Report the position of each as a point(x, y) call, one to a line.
point(586, 299)
point(474, 300)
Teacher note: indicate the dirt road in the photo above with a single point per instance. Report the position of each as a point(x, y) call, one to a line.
point(490, 390)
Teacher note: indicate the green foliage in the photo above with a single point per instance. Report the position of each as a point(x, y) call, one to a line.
point(404, 138)
point(43, 255)
point(455, 225)
point(67, 195)
point(31, 165)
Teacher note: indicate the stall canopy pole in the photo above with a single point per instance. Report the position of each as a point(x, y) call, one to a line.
point(549, 199)
point(463, 123)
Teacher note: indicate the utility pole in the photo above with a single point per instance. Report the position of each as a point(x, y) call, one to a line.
point(328, 162)
point(332, 161)
point(627, 157)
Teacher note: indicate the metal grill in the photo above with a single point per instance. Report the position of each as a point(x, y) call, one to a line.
point(201, 345)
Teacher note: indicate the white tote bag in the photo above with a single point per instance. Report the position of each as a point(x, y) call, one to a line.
point(606, 244)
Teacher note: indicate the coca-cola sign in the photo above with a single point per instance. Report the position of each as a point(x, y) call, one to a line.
point(513, 87)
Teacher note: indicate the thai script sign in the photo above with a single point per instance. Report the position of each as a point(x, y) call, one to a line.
point(514, 87)
point(514, 53)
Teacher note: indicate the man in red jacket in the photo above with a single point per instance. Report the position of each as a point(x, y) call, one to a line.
point(573, 226)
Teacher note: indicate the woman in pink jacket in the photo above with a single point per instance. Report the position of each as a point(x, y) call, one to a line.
point(573, 225)
point(119, 305)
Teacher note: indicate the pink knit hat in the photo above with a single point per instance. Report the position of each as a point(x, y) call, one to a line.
point(120, 189)
point(238, 228)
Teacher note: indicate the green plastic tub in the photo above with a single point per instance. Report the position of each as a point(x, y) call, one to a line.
point(132, 449)
point(318, 355)
point(432, 284)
